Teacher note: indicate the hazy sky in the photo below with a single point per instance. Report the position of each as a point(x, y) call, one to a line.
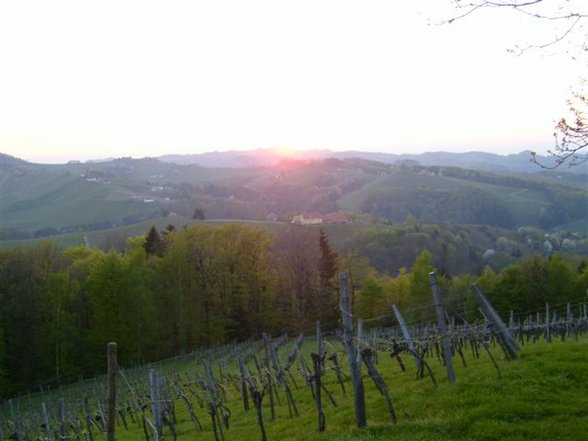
point(82, 79)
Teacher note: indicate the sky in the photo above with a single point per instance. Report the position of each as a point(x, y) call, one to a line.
point(83, 80)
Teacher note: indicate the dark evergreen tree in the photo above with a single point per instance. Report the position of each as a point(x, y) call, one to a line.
point(154, 245)
point(327, 300)
point(169, 229)
point(198, 214)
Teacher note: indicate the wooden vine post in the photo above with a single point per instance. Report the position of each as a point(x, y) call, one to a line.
point(268, 376)
point(88, 419)
point(156, 403)
point(354, 366)
point(46, 421)
point(367, 358)
point(317, 361)
point(62, 432)
point(111, 399)
point(243, 383)
point(505, 337)
point(256, 392)
point(547, 324)
point(281, 377)
point(445, 338)
point(407, 337)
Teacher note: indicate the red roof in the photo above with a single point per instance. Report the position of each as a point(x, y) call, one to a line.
point(313, 215)
point(335, 218)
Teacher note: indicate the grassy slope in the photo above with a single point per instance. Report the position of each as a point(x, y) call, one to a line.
point(66, 200)
point(39, 196)
point(576, 227)
point(97, 238)
point(80, 204)
point(523, 204)
point(541, 396)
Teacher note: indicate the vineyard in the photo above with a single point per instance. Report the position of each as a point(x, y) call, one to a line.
point(359, 381)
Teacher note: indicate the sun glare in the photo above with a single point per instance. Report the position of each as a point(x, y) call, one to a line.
point(286, 152)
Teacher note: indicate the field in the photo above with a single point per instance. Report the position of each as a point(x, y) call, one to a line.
point(523, 204)
point(540, 396)
point(100, 238)
point(580, 227)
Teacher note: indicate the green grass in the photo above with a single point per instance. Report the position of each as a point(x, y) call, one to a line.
point(40, 196)
point(524, 205)
point(99, 237)
point(80, 203)
point(541, 396)
point(575, 227)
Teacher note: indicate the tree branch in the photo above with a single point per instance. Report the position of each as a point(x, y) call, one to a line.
point(571, 138)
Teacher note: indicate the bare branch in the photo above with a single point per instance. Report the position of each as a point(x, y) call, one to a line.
point(555, 40)
point(470, 11)
point(566, 12)
point(571, 135)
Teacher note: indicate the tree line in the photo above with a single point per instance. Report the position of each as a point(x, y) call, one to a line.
point(173, 291)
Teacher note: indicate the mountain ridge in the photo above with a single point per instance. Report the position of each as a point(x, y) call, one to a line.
point(478, 160)
point(263, 157)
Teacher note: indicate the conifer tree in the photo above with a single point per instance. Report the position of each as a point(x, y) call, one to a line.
point(154, 245)
point(327, 271)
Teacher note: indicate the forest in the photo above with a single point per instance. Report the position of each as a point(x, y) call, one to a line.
point(172, 291)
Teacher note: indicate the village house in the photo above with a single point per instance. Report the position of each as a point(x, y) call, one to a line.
point(271, 217)
point(315, 218)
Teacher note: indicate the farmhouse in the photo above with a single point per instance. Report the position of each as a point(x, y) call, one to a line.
point(271, 217)
point(335, 218)
point(314, 218)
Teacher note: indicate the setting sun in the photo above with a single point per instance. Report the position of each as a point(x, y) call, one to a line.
point(229, 75)
point(287, 152)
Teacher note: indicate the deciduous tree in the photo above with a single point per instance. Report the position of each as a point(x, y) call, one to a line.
point(420, 288)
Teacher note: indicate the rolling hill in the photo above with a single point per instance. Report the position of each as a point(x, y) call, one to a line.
point(39, 200)
point(518, 163)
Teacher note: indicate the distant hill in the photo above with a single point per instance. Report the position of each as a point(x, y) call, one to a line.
point(520, 162)
point(40, 200)
point(11, 160)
